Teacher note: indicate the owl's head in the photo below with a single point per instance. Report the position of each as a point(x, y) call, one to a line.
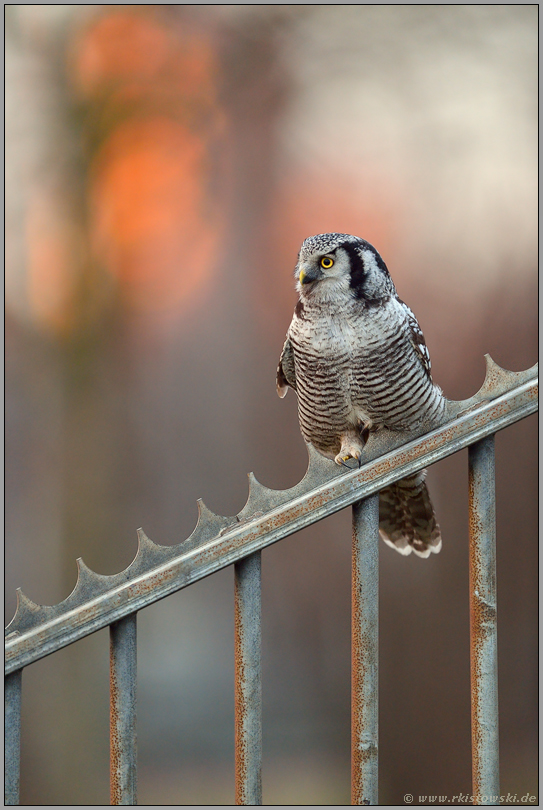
point(332, 266)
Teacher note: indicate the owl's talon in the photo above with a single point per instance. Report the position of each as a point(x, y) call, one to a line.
point(350, 455)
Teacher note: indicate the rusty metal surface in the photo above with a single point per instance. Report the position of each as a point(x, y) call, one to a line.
point(365, 653)
point(483, 623)
point(268, 516)
point(122, 711)
point(248, 690)
point(12, 737)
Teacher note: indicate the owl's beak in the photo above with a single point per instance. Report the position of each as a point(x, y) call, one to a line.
point(308, 274)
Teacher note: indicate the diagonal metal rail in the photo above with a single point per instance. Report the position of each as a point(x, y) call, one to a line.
point(269, 515)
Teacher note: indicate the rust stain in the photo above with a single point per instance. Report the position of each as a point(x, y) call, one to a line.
point(364, 685)
point(247, 681)
point(483, 616)
point(115, 745)
point(240, 706)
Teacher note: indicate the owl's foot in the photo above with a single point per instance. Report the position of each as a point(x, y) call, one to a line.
point(349, 452)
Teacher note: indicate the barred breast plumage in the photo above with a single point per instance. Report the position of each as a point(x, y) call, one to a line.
point(356, 357)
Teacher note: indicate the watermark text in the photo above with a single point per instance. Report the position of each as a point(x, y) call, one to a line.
point(466, 798)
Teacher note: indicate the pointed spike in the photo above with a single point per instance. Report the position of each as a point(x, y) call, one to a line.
point(494, 374)
point(497, 381)
point(205, 514)
point(208, 525)
point(26, 614)
point(142, 537)
point(145, 545)
point(85, 575)
point(82, 567)
point(209, 521)
point(490, 364)
point(503, 373)
point(25, 604)
point(88, 584)
point(207, 517)
point(148, 555)
point(260, 499)
point(256, 489)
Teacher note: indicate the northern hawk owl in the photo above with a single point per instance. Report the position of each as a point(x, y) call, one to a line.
point(357, 359)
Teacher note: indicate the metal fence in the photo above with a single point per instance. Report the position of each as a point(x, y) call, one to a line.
point(269, 515)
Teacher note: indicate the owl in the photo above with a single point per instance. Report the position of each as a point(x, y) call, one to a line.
point(358, 361)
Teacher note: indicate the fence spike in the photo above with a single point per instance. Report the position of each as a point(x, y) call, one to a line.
point(260, 499)
point(497, 381)
point(205, 515)
point(25, 605)
point(86, 577)
point(208, 525)
point(148, 555)
point(319, 469)
point(148, 550)
point(88, 584)
point(497, 377)
point(25, 613)
point(144, 543)
point(255, 487)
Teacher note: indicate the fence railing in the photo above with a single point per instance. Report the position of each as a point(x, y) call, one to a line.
point(269, 515)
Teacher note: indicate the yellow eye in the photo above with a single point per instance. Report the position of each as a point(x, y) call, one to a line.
point(326, 262)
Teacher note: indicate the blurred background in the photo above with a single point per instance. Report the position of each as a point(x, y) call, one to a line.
point(163, 165)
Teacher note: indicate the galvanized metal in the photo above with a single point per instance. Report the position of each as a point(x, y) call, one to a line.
point(12, 737)
point(248, 694)
point(483, 623)
point(268, 516)
point(365, 653)
point(122, 711)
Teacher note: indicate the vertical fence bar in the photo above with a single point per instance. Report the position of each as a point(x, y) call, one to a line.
point(483, 623)
point(365, 652)
point(248, 638)
point(122, 717)
point(12, 736)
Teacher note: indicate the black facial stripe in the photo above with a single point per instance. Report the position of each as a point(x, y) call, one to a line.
point(358, 271)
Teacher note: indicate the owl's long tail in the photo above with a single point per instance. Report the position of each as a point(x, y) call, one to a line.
point(407, 521)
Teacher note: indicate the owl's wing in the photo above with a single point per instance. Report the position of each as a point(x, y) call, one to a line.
point(417, 341)
point(286, 374)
